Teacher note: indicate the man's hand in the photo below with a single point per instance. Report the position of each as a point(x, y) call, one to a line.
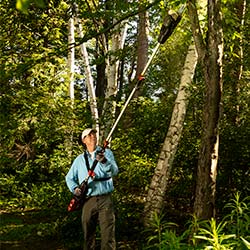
point(77, 191)
point(100, 157)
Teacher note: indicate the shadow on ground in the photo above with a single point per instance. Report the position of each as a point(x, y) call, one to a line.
point(36, 229)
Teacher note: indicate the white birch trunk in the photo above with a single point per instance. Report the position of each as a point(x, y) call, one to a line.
point(112, 66)
point(71, 56)
point(159, 183)
point(90, 81)
point(71, 65)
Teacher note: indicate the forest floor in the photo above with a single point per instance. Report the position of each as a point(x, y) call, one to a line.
point(26, 230)
point(44, 230)
point(26, 245)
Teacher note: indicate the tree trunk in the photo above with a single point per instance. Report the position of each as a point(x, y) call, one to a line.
point(90, 81)
point(112, 65)
point(210, 55)
point(140, 61)
point(71, 65)
point(142, 45)
point(159, 181)
point(71, 56)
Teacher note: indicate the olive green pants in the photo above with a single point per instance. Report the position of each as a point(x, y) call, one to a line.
point(99, 209)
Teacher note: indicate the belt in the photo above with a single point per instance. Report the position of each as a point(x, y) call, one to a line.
point(98, 195)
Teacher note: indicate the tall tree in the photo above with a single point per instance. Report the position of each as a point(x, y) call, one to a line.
point(71, 55)
point(159, 183)
point(210, 52)
point(142, 44)
point(116, 42)
point(71, 66)
point(89, 80)
point(101, 16)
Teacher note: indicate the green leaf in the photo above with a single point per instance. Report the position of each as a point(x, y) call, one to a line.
point(23, 5)
point(247, 243)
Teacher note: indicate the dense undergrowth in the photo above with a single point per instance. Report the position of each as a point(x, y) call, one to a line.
point(55, 228)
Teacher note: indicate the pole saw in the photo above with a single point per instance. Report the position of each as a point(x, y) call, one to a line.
point(169, 24)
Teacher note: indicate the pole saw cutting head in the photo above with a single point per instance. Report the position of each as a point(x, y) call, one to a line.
point(169, 24)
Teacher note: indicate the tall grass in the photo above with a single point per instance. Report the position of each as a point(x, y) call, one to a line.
point(230, 233)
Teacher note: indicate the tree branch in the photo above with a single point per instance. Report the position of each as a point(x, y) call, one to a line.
point(126, 16)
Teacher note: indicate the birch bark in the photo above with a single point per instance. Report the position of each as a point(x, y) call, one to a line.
point(159, 183)
point(71, 65)
point(112, 65)
point(89, 81)
point(71, 56)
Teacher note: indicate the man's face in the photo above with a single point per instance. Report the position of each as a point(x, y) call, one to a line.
point(90, 139)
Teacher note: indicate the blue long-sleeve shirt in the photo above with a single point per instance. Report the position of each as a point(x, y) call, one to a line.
point(78, 172)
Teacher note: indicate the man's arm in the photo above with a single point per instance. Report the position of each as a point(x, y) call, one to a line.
point(111, 162)
point(72, 177)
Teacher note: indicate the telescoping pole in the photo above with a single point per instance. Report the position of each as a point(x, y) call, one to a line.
point(168, 26)
point(141, 78)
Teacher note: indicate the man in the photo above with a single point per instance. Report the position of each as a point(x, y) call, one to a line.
point(98, 207)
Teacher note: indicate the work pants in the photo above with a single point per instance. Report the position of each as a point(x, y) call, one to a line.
point(99, 209)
